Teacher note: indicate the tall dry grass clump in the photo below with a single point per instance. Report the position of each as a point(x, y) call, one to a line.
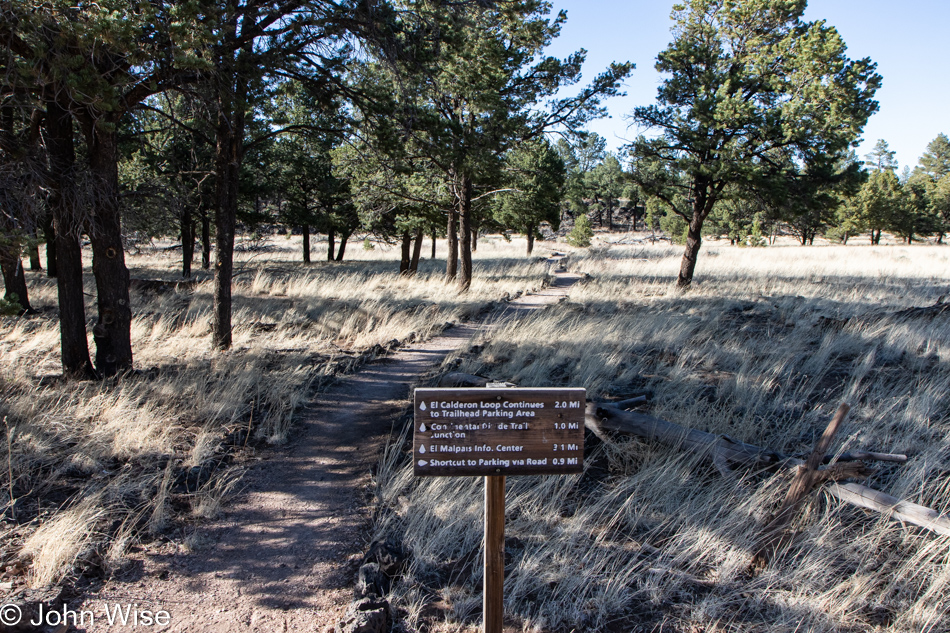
point(763, 348)
point(89, 467)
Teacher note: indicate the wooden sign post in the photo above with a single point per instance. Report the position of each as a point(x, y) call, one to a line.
point(493, 433)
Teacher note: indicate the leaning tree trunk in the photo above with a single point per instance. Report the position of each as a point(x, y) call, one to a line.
point(187, 241)
point(416, 252)
point(305, 240)
point(342, 248)
point(530, 235)
point(66, 230)
point(331, 244)
point(452, 259)
point(465, 239)
point(694, 240)
point(706, 195)
point(113, 329)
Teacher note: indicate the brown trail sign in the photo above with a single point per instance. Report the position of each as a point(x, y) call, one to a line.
point(497, 432)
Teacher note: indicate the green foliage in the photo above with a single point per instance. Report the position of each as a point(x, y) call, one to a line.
point(580, 236)
point(534, 175)
point(880, 202)
point(10, 307)
point(735, 97)
point(881, 158)
point(368, 245)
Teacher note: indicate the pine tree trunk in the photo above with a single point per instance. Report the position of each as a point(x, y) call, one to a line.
point(50, 236)
point(694, 239)
point(74, 347)
point(187, 241)
point(452, 259)
point(14, 279)
point(305, 240)
point(405, 258)
point(433, 242)
point(34, 251)
point(530, 235)
point(205, 240)
point(228, 156)
point(416, 251)
point(465, 239)
point(342, 249)
point(610, 214)
point(112, 331)
point(331, 244)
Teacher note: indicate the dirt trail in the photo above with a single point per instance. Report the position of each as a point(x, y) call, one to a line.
point(284, 555)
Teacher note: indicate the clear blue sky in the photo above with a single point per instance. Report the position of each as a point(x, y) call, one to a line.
point(908, 39)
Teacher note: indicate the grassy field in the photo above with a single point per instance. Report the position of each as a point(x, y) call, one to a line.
point(90, 468)
point(763, 348)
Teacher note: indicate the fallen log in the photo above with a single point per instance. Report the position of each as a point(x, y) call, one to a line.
point(895, 508)
point(805, 479)
point(722, 447)
point(606, 417)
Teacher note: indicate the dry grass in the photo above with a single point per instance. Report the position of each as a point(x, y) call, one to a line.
point(94, 466)
point(762, 348)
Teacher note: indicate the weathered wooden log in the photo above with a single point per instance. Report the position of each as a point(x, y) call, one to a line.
point(601, 417)
point(806, 476)
point(867, 456)
point(630, 402)
point(709, 445)
point(722, 449)
point(895, 508)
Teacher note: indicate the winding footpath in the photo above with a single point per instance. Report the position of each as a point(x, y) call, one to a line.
point(284, 555)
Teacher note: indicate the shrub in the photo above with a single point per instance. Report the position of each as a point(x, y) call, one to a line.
point(581, 234)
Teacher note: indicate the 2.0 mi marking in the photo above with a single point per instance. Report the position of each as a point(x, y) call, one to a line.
point(573, 404)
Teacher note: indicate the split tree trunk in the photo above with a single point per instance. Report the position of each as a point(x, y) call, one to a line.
point(113, 329)
point(416, 252)
point(342, 249)
point(66, 229)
